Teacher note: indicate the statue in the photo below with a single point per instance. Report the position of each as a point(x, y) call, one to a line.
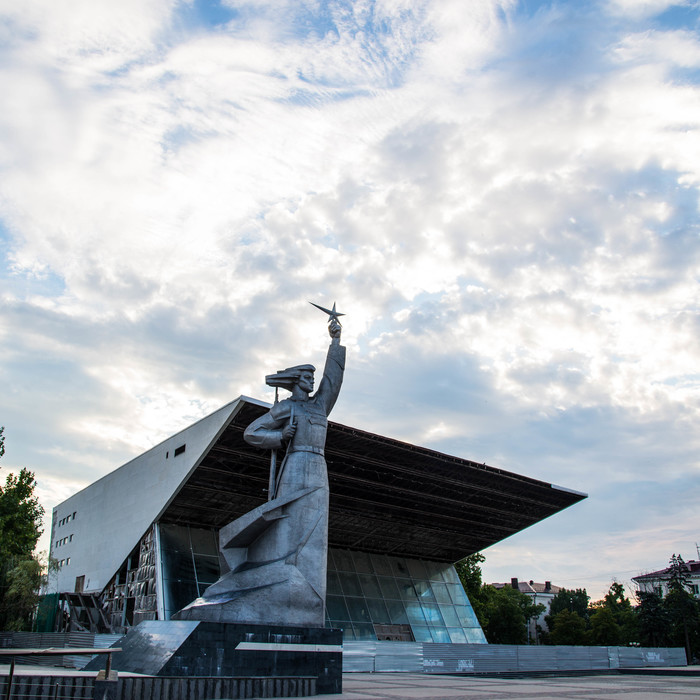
point(276, 555)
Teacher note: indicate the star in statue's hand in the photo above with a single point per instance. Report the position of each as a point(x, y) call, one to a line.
point(332, 313)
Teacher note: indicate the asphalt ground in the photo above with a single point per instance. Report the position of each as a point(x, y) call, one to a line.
point(676, 684)
point(405, 686)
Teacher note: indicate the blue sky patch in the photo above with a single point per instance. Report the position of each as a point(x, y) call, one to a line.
point(679, 17)
point(207, 13)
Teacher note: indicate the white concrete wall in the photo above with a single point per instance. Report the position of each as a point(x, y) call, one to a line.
point(112, 514)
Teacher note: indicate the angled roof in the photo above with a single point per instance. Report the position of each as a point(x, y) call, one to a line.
point(692, 567)
point(113, 513)
point(531, 587)
point(387, 496)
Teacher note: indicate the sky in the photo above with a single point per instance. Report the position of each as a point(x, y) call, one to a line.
point(501, 195)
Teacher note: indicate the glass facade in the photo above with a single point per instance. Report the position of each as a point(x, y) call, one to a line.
point(365, 590)
point(189, 564)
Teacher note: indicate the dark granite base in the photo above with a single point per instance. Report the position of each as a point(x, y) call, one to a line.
point(193, 648)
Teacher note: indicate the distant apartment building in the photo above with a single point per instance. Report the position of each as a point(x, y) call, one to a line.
point(540, 593)
point(657, 581)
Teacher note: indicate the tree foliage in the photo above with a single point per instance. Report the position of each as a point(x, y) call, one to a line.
point(20, 528)
point(571, 600)
point(655, 621)
point(605, 630)
point(617, 609)
point(23, 580)
point(567, 627)
point(504, 619)
point(20, 515)
point(683, 609)
point(469, 572)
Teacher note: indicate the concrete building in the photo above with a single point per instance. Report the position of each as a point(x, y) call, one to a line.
point(657, 581)
point(540, 593)
point(141, 542)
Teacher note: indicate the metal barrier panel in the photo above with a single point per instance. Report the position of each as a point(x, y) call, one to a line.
point(104, 641)
point(534, 658)
point(469, 658)
point(83, 640)
point(503, 658)
point(358, 657)
point(82, 688)
point(34, 640)
point(574, 658)
point(386, 657)
point(49, 687)
point(645, 657)
point(171, 688)
point(402, 657)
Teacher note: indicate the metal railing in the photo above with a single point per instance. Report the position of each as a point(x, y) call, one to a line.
point(40, 692)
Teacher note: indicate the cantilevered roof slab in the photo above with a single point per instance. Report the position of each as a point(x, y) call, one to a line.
point(387, 496)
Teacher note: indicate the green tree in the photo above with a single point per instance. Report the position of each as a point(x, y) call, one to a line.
point(20, 515)
point(605, 630)
point(683, 609)
point(567, 628)
point(506, 614)
point(504, 622)
point(469, 572)
point(22, 594)
point(20, 528)
point(653, 620)
point(570, 600)
point(620, 608)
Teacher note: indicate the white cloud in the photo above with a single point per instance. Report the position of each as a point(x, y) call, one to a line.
point(509, 218)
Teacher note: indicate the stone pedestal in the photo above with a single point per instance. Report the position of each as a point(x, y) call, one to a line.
point(196, 648)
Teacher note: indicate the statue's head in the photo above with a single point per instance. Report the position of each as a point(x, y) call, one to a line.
point(301, 376)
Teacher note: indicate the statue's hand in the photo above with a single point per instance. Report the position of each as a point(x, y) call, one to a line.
point(288, 431)
point(334, 328)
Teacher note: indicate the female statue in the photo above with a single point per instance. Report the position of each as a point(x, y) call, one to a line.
point(277, 553)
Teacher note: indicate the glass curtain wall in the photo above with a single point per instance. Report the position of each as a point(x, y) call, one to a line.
point(369, 589)
point(189, 564)
point(364, 590)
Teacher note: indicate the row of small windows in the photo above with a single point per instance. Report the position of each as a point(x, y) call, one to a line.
point(64, 562)
point(67, 519)
point(65, 540)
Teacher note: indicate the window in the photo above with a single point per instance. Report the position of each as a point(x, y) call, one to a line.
point(68, 561)
point(70, 539)
point(179, 450)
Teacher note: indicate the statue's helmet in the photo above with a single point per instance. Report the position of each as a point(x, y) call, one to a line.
point(287, 378)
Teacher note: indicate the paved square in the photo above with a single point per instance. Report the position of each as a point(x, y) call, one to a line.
point(400, 686)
